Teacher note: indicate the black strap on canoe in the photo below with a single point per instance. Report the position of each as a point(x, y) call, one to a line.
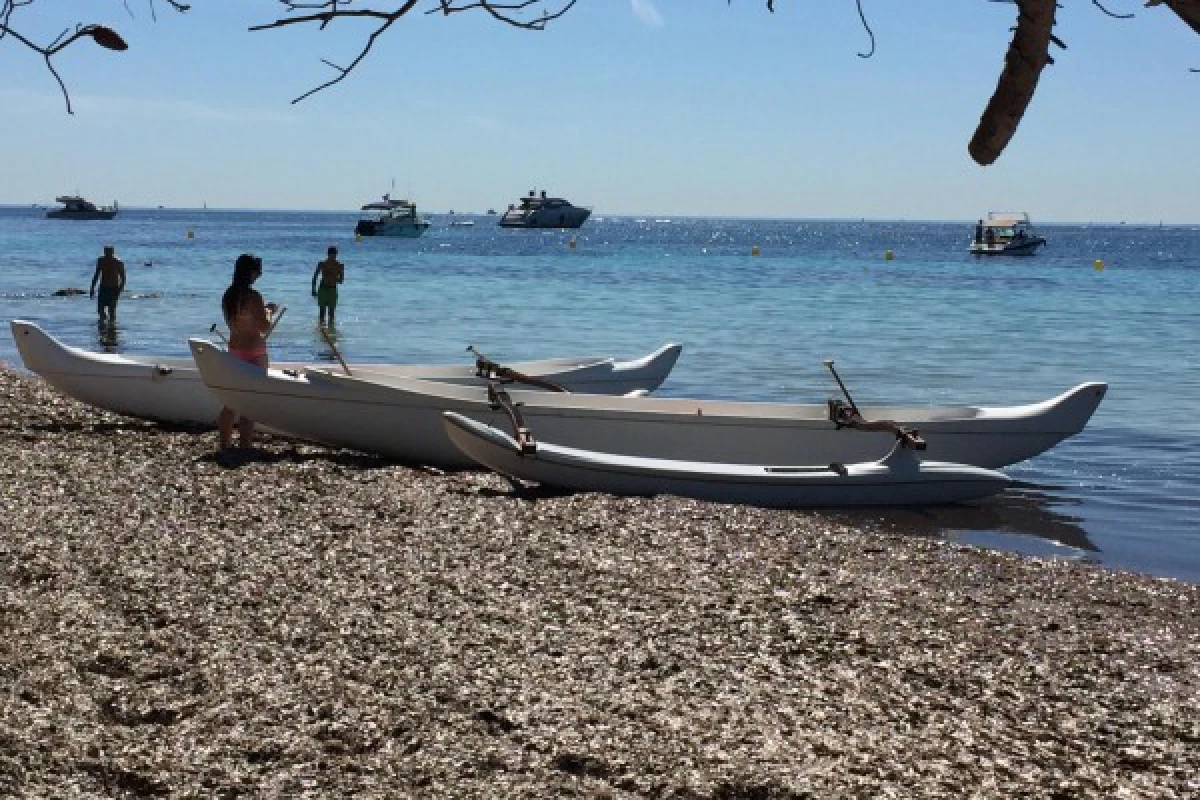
point(499, 400)
point(845, 416)
point(491, 371)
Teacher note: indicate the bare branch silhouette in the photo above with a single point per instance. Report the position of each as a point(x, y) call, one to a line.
point(102, 35)
point(1026, 57)
point(324, 12)
point(1100, 6)
point(862, 16)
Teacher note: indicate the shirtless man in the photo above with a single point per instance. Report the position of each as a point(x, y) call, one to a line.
point(110, 271)
point(331, 272)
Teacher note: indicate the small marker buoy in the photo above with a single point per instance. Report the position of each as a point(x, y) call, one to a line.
point(754, 250)
point(1098, 264)
point(888, 255)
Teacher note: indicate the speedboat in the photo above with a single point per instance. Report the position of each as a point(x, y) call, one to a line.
point(1006, 233)
point(900, 478)
point(169, 389)
point(539, 211)
point(401, 418)
point(392, 218)
point(75, 207)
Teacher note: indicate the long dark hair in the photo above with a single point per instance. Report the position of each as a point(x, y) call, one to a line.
point(245, 270)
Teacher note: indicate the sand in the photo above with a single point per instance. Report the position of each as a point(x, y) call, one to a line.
point(307, 622)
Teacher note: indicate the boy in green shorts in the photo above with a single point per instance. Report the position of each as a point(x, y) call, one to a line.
point(331, 272)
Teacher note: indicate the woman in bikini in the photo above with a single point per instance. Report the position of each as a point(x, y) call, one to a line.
point(249, 321)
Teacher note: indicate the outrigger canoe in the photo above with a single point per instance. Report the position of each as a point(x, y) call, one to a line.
point(400, 418)
point(168, 389)
point(898, 479)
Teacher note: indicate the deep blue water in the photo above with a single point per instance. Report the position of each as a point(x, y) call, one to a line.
point(932, 325)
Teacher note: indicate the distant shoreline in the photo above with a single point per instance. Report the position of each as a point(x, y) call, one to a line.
point(649, 216)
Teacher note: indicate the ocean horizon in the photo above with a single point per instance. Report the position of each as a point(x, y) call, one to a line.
point(632, 215)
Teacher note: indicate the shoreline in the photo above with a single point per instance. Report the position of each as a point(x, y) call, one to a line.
point(315, 622)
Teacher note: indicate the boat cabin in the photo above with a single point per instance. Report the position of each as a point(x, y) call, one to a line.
point(534, 200)
point(74, 203)
point(1007, 226)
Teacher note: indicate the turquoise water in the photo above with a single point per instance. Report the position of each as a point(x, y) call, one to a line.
point(933, 325)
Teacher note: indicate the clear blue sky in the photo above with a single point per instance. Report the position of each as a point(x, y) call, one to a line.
point(664, 107)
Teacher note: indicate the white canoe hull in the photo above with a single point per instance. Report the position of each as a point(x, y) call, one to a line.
point(901, 478)
point(169, 389)
point(401, 419)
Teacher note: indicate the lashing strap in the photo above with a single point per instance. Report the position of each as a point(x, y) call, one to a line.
point(845, 416)
point(499, 400)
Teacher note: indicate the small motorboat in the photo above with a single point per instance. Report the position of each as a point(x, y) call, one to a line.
point(898, 479)
point(1006, 233)
point(170, 389)
point(75, 207)
point(397, 218)
point(539, 211)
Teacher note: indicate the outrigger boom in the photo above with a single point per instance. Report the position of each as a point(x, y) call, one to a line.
point(848, 416)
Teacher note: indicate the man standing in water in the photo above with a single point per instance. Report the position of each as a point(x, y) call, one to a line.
point(110, 271)
point(331, 272)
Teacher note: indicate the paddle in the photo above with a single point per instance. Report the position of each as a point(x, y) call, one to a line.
point(329, 341)
point(486, 368)
point(275, 322)
point(224, 341)
point(829, 363)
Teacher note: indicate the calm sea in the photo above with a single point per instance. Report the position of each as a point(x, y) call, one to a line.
point(930, 325)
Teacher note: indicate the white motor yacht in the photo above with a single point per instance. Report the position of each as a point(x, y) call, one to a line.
point(536, 210)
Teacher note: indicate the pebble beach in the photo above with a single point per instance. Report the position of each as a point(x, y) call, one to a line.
point(305, 622)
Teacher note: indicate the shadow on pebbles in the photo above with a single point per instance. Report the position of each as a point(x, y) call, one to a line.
point(305, 622)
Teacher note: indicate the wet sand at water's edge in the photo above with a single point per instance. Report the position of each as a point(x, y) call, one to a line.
point(313, 622)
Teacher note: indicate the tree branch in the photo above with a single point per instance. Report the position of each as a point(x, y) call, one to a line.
point(1186, 10)
point(1028, 54)
point(863, 17)
point(100, 34)
point(1100, 6)
point(502, 11)
point(323, 12)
